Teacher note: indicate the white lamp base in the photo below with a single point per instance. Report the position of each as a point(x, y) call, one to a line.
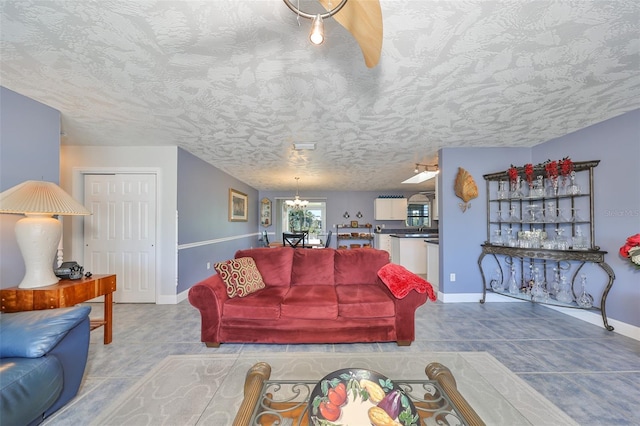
point(38, 236)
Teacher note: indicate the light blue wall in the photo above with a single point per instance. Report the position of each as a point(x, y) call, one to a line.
point(461, 233)
point(616, 143)
point(205, 233)
point(29, 150)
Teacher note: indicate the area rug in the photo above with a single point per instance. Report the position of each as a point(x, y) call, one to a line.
point(208, 389)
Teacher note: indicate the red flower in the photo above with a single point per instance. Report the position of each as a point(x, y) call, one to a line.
point(566, 166)
point(528, 171)
point(513, 173)
point(632, 245)
point(551, 167)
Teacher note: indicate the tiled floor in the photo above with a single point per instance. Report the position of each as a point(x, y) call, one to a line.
point(591, 374)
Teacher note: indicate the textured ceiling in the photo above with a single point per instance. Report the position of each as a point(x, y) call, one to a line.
point(236, 82)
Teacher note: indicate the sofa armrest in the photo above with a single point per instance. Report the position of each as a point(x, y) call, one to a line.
point(406, 312)
point(33, 334)
point(208, 296)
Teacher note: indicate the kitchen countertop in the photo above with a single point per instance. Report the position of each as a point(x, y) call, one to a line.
point(415, 235)
point(432, 241)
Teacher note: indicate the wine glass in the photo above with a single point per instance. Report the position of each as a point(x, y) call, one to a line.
point(550, 215)
point(513, 217)
point(575, 217)
point(562, 216)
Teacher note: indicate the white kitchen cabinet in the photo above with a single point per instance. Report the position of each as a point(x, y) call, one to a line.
point(433, 265)
point(410, 253)
point(383, 242)
point(390, 209)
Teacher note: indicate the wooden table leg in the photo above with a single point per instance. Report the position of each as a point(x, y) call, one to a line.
point(252, 390)
point(108, 317)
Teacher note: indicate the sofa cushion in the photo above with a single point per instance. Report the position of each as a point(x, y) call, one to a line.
point(29, 386)
point(364, 301)
point(312, 267)
point(33, 334)
point(359, 266)
point(240, 276)
point(273, 263)
point(262, 305)
point(310, 302)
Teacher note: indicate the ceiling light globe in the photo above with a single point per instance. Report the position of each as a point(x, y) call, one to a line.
point(316, 36)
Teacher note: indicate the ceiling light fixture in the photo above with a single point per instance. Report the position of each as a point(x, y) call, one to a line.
point(304, 145)
point(429, 173)
point(297, 203)
point(316, 35)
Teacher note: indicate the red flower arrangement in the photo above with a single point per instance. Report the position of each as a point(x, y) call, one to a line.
point(566, 167)
point(513, 173)
point(528, 172)
point(631, 250)
point(551, 167)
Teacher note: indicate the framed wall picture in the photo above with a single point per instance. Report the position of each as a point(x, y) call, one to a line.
point(238, 206)
point(265, 212)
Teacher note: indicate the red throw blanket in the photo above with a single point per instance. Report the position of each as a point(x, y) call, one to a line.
point(400, 281)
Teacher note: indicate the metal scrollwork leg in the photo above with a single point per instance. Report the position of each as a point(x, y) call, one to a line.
point(484, 281)
point(603, 301)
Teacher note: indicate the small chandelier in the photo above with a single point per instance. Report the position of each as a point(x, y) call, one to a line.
point(297, 203)
point(316, 35)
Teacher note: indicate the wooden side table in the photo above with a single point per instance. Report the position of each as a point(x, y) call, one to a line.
point(64, 294)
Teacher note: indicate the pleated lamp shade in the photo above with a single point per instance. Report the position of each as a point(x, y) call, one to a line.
point(38, 234)
point(35, 196)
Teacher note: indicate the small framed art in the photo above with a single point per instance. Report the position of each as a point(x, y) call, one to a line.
point(238, 206)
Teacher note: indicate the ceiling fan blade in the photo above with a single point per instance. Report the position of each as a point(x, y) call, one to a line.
point(363, 19)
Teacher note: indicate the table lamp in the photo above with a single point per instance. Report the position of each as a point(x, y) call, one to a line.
point(39, 232)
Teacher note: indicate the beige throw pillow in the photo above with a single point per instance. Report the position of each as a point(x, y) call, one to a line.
point(240, 276)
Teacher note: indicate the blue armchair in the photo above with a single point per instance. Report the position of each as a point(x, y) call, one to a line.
point(43, 355)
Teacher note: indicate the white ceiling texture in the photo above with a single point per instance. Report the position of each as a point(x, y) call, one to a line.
point(236, 82)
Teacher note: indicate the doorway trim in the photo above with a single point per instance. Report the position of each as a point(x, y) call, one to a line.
point(77, 228)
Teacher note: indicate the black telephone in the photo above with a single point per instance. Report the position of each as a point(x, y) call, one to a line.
point(69, 270)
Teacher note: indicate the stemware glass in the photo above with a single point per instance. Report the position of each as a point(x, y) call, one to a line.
point(534, 213)
point(513, 284)
point(562, 217)
point(565, 294)
point(503, 194)
point(516, 188)
point(561, 241)
point(573, 188)
point(579, 240)
point(496, 238)
point(496, 281)
point(585, 300)
point(513, 217)
point(550, 215)
point(499, 216)
point(575, 217)
point(538, 291)
point(554, 285)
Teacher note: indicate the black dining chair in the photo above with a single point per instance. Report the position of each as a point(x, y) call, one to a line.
point(294, 240)
point(326, 244)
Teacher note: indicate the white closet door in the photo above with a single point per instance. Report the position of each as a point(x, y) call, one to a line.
point(119, 236)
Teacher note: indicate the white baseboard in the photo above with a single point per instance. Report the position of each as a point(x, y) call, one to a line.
point(173, 299)
point(591, 317)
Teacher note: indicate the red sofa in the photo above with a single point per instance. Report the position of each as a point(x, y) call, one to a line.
point(310, 296)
